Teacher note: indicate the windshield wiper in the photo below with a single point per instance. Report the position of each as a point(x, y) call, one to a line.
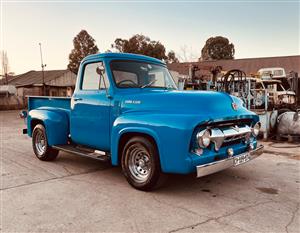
point(149, 84)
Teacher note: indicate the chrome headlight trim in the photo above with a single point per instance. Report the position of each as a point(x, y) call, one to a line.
point(255, 129)
point(203, 138)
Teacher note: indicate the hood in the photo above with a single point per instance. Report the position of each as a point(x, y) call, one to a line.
point(209, 104)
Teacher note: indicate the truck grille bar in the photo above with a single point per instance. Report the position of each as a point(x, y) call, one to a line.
point(228, 135)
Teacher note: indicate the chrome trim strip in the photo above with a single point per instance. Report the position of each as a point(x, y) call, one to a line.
point(213, 167)
point(235, 131)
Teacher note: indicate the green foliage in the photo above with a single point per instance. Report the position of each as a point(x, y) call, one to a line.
point(217, 48)
point(84, 45)
point(140, 44)
point(171, 58)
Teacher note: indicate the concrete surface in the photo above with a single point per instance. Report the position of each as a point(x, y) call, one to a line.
point(74, 194)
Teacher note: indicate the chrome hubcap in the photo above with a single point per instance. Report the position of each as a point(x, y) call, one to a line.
point(40, 143)
point(139, 163)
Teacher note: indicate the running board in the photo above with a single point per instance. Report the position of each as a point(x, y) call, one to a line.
point(85, 152)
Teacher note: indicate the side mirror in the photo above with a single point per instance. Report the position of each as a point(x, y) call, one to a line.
point(100, 69)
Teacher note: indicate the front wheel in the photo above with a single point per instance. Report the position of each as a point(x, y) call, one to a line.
point(40, 144)
point(140, 164)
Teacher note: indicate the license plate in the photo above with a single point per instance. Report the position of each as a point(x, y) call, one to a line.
point(238, 160)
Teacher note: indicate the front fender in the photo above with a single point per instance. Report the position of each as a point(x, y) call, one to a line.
point(172, 136)
point(172, 133)
point(119, 130)
point(56, 123)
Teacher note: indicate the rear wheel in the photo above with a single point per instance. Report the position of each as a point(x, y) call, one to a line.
point(40, 144)
point(140, 163)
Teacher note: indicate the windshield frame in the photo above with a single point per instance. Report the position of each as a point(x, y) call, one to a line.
point(174, 87)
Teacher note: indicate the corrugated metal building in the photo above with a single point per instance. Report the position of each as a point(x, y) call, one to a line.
point(248, 65)
point(57, 83)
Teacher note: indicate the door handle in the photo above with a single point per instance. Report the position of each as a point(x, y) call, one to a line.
point(76, 99)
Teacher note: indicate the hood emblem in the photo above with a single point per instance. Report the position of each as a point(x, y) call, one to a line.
point(234, 106)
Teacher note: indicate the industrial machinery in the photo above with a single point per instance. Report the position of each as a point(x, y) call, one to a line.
point(202, 77)
point(265, 95)
point(236, 82)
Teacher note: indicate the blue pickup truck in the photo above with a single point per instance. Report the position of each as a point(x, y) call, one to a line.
point(126, 109)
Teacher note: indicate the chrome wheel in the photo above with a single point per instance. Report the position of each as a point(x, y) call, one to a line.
point(40, 143)
point(139, 163)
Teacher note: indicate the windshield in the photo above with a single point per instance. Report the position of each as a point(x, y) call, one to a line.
point(274, 86)
point(131, 74)
point(266, 73)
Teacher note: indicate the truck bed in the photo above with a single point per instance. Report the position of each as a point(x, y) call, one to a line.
point(35, 102)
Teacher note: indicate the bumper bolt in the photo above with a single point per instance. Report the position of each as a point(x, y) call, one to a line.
point(230, 152)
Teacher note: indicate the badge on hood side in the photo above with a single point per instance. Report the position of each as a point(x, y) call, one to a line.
point(132, 102)
point(234, 106)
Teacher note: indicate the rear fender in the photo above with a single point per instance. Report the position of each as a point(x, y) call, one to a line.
point(55, 122)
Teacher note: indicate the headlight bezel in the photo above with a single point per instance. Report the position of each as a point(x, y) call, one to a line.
point(255, 129)
point(203, 138)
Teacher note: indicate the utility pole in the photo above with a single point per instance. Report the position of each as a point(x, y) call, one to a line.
point(5, 66)
point(43, 66)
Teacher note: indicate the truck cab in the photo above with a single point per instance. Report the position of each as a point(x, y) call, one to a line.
point(278, 97)
point(126, 110)
point(273, 72)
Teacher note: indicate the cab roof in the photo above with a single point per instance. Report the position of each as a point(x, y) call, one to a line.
point(126, 56)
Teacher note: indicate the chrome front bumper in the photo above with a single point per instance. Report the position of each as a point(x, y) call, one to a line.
point(234, 161)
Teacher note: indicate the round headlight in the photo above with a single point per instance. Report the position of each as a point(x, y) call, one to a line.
point(255, 129)
point(292, 99)
point(203, 138)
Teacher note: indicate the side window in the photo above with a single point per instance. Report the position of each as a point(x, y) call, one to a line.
point(92, 80)
point(278, 72)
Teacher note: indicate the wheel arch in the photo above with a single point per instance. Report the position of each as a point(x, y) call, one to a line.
point(34, 122)
point(124, 135)
point(127, 136)
point(55, 123)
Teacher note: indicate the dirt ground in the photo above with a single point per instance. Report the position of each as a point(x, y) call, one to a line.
point(74, 194)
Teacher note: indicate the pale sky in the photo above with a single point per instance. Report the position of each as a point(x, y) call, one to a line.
point(256, 28)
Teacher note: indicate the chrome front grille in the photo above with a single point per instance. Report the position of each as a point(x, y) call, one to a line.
point(229, 135)
point(234, 138)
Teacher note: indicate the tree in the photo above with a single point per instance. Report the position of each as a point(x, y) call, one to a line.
point(84, 45)
point(171, 58)
point(141, 44)
point(217, 48)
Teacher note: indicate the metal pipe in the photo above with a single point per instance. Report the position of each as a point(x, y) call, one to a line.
point(266, 114)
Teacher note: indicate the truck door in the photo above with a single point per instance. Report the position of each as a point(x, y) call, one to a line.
point(90, 109)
